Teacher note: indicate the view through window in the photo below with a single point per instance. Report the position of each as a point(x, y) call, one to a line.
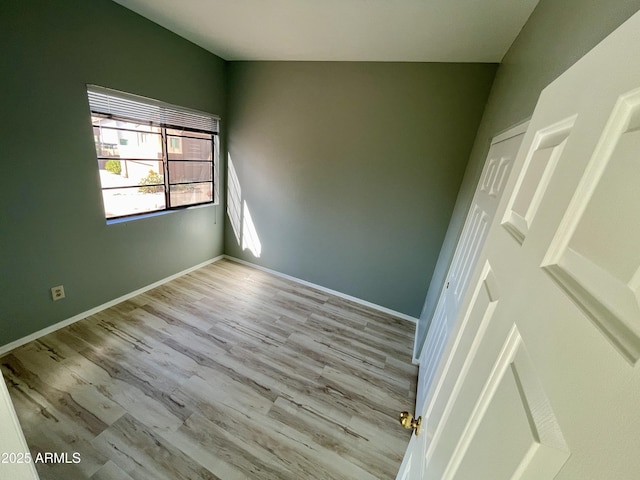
point(147, 164)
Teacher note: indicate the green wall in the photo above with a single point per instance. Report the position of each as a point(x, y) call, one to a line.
point(556, 35)
point(354, 173)
point(53, 229)
point(350, 170)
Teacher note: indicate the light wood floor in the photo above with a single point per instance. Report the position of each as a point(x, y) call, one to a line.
point(225, 373)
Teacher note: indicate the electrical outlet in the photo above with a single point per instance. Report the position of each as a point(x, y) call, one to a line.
point(57, 293)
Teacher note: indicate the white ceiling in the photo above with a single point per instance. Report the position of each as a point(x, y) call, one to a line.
point(344, 30)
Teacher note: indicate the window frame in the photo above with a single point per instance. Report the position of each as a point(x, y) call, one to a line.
point(177, 131)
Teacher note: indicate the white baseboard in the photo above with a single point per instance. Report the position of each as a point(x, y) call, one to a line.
point(45, 331)
point(357, 300)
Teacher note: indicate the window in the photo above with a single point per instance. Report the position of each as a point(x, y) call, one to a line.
point(152, 156)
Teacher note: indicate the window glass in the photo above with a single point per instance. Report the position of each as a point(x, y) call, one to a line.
point(145, 166)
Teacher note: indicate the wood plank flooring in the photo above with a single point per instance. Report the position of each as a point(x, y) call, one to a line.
point(225, 373)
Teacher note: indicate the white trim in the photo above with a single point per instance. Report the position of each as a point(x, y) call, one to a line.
point(52, 328)
point(511, 132)
point(357, 300)
point(416, 360)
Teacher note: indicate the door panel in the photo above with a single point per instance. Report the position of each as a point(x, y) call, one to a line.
point(512, 432)
point(595, 256)
point(539, 165)
point(490, 188)
point(539, 377)
point(485, 202)
point(470, 248)
point(458, 365)
point(434, 347)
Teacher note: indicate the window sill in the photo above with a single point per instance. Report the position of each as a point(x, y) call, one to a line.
point(115, 221)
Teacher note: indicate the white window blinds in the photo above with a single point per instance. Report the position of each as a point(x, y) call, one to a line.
point(114, 103)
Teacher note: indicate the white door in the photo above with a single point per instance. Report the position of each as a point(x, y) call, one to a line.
point(15, 459)
point(540, 378)
point(496, 170)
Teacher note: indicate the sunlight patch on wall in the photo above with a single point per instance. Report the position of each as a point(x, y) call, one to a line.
point(250, 238)
point(234, 194)
point(239, 215)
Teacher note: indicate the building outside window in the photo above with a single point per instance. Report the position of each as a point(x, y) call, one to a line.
point(152, 156)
